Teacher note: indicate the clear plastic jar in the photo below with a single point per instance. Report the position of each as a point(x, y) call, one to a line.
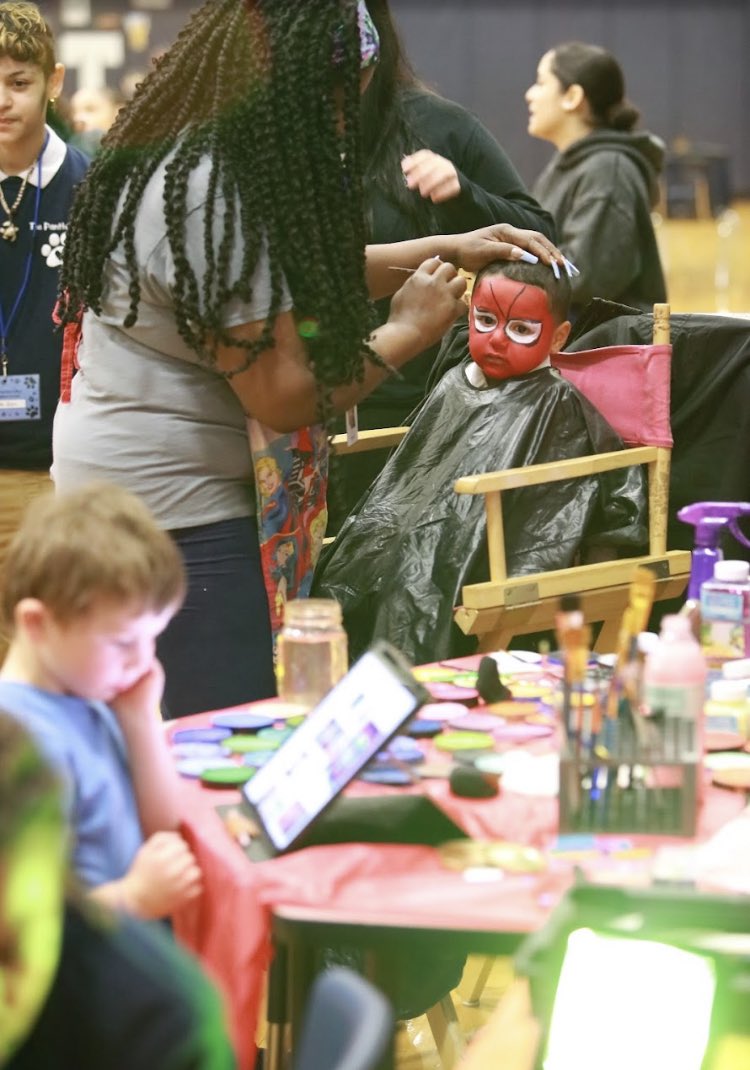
point(311, 650)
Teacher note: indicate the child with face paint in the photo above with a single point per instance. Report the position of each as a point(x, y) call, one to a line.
point(514, 325)
point(402, 557)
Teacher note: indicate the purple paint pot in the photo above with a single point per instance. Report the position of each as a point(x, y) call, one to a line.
point(200, 735)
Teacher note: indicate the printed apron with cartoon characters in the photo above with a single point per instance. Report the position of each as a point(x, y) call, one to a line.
point(291, 480)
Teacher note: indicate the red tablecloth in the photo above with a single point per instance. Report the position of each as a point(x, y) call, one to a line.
point(229, 927)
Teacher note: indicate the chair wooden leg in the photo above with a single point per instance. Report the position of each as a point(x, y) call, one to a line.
point(606, 640)
point(491, 642)
point(476, 973)
point(446, 1031)
point(277, 1011)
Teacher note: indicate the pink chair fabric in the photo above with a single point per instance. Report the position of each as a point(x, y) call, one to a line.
point(629, 385)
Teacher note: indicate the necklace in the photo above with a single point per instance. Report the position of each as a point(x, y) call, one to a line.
point(9, 230)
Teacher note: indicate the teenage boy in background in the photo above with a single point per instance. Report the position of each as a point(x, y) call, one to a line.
point(38, 176)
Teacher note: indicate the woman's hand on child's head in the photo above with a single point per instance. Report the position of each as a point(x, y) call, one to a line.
point(143, 697)
point(433, 176)
point(501, 241)
point(163, 877)
point(429, 301)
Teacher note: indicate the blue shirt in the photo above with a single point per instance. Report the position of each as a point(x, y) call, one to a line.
point(83, 742)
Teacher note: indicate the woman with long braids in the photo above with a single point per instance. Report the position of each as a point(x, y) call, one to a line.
point(217, 253)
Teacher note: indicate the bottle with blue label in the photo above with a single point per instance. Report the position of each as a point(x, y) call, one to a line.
point(728, 707)
point(725, 612)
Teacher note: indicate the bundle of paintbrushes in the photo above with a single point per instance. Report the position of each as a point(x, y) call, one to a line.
point(621, 770)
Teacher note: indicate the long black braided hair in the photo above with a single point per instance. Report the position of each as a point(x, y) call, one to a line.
point(251, 84)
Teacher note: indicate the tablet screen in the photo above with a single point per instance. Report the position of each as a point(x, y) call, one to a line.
point(354, 720)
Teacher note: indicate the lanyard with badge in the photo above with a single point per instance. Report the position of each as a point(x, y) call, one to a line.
point(20, 394)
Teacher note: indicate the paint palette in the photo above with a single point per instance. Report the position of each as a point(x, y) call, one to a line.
point(196, 750)
point(226, 776)
point(476, 722)
point(463, 741)
point(443, 711)
point(522, 732)
point(389, 776)
point(246, 743)
point(720, 739)
point(241, 722)
point(200, 735)
point(194, 768)
point(423, 729)
point(448, 692)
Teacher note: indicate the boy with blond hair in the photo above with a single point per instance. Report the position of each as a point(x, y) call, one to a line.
point(90, 583)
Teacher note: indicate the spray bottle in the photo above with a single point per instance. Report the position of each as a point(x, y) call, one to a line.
point(709, 519)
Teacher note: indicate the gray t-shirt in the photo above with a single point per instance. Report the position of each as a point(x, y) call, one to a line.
point(144, 412)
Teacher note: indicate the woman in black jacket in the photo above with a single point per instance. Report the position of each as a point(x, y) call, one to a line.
point(603, 181)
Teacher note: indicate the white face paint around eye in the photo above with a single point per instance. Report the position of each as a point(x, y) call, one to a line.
point(484, 321)
point(510, 328)
point(524, 332)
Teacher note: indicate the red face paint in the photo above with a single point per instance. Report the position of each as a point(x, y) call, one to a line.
point(510, 327)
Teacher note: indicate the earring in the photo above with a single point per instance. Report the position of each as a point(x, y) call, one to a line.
point(53, 101)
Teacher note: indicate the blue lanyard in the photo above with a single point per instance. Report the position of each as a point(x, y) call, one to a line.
point(5, 325)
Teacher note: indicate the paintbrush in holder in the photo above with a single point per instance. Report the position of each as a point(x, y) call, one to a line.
point(639, 774)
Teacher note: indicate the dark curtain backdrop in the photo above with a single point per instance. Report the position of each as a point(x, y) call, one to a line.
point(687, 63)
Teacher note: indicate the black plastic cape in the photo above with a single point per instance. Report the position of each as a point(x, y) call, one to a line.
point(402, 556)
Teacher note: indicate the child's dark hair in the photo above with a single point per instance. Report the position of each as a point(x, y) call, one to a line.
point(252, 85)
point(600, 77)
point(75, 550)
point(540, 275)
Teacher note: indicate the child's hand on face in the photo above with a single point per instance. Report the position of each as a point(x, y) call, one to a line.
point(143, 697)
point(163, 877)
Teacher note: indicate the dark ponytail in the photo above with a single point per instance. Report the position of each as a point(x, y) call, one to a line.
point(600, 76)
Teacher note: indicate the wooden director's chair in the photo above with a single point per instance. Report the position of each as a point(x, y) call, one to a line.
point(503, 607)
point(636, 404)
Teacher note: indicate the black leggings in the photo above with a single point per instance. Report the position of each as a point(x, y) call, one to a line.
point(218, 650)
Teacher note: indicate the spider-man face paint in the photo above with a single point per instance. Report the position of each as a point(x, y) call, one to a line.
point(510, 327)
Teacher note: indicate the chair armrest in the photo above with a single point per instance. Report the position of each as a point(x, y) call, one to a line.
point(377, 439)
point(554, 471)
